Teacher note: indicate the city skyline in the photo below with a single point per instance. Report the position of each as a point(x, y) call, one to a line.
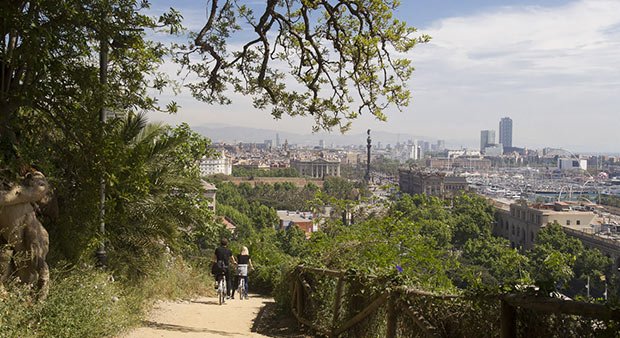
point(486, 58)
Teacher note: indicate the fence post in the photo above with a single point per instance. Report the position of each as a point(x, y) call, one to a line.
point(300, 296)
point(508, 320)
point(391, 316)
point(337, 303)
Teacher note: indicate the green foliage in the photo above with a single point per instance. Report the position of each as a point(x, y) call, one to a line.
point(506, 265)
point(154, 199)
point(270, 260)
point(377, 246)
point(50, 78)
point(86, 302)
point(361, 66)
point(278, 196)
point(561, 262)
point(385, 165)
point(474, 218)
point(610, 200)
point(553, 257)
point(82, 303)
point(292, 241)
point(342, 189)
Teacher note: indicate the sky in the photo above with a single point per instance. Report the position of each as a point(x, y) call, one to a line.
point(552, 66)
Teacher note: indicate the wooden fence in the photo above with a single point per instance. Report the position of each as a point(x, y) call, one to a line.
point(396, 304)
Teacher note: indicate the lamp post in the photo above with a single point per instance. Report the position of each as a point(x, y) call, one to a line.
point(101, 254)
point(368, 146)
point(104, 49)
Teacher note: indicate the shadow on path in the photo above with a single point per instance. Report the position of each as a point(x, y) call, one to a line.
point(180, 328)
point(206, 302)
point(272, 322)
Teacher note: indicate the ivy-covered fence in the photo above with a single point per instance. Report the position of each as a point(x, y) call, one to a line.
point(348, 304)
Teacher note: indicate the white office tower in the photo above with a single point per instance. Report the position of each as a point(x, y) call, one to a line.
point(505, 132)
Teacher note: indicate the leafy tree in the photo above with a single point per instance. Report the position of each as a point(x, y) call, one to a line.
point(553, 257)
point(420, 207)
point(386, 165)
point(437, 229)
point(507, 265)
point(552, 236)
point(263, 216)
point(474, 218)
point(46, 56)
point(155, 196)
point(278, 172)
point(339, 51)
point(341, 188)
point(244, 229)
point(293, 241)
point(592, 263)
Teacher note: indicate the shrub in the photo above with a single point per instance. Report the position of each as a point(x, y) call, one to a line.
point(81, 303)
point(87, 302)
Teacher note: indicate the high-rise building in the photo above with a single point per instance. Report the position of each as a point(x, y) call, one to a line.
point(505, 132)
point(487, 137)
point(441, 145)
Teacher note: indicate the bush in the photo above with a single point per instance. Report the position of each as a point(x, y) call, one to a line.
point(81, 303)
point(86, 302)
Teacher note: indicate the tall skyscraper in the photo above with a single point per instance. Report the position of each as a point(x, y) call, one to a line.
point(441, 145)
point(505, 131)
point(487, 137)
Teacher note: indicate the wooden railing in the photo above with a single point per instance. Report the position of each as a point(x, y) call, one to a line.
point(396, 302)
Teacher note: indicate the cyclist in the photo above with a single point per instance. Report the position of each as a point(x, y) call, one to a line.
point(222, 258)
point(244, 264)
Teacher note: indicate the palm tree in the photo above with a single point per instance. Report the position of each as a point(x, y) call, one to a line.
point(155, 194)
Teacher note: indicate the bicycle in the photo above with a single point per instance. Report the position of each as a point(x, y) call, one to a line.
point(242, 272)
point(241, 290)
point(221, 288)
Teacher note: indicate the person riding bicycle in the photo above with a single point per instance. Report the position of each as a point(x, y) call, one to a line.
point(222, 258)
point(244, 265)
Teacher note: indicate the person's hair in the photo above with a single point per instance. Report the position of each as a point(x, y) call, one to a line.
point(245, 251)
point(224, 242)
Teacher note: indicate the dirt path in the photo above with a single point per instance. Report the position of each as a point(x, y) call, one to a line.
point(202, 317)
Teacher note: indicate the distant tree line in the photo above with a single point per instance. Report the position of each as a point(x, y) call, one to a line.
point(273, 172)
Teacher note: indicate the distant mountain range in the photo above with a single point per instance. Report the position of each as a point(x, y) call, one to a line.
point(236, 134)
point(232, 134)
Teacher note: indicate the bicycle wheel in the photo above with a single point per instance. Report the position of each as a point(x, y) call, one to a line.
point(221, 291)
point(239, 285)
point(240, 288)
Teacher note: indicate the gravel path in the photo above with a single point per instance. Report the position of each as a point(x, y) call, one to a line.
point(202, 317)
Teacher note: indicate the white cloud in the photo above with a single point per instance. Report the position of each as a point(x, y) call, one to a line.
point(575, 40)
point(554, 70)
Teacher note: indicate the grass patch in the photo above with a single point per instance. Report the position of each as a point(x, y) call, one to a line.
point(87, 302)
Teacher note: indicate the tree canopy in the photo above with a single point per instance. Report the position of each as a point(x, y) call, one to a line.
point(332, 60)
point(50, 64)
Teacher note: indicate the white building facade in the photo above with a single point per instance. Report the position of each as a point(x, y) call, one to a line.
point(572, 164)
point(219, 165)
point(318, 168)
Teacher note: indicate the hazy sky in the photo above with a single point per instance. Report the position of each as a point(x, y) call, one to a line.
point(552, 66)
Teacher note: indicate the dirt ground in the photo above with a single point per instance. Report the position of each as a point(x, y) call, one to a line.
point(204, 317)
